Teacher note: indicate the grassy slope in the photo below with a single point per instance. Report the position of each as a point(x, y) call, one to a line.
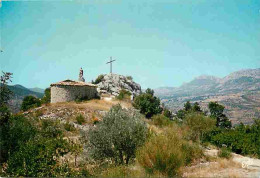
point(67, 112)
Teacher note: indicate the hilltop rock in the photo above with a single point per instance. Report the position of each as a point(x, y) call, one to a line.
point(113, 83)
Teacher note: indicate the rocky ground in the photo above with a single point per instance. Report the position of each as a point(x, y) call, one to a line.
point(67, 112)
point(237, 166)
point(114, 83)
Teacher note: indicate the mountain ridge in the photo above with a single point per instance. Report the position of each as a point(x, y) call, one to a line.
point(19, 92)
point(238, 91)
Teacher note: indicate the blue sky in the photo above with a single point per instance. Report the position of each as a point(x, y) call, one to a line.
point(159, 43)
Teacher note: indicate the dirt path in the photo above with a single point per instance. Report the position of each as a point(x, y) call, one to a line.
point(237, 166)
point(248, 163)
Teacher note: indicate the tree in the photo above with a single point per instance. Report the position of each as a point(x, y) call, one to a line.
point(187, 106)
point(198, 125)
point(5, 93)
point(196, 107)
point(216, 111)
point(5, 115)
point(148, 104)
point(117, 137)
point(181, 114)
point(36, 155)
point(47, 96)
point(30, 102)
point(17, 130)
point(76, 149)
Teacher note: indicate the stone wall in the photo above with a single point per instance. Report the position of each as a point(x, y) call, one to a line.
point(63, 93)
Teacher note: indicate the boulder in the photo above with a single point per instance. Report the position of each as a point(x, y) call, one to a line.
point(113, 83)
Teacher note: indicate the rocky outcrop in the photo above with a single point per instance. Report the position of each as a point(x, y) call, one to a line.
point(114, 83)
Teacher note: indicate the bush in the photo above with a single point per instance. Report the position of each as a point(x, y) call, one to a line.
point(224, 153)
point(162, 154)
point(17, 130)
point(198, 124)
point(34, 149)
point(39, 113)
point(129, 77)
point(80, 119)
point(30, 102)
point(148, 104)
point(117, 136)
point(167, 113)
point(99, 79)
point(124, 94)
point(69, 127)
point(191, 151)
point(243, 139)
point(160, 120)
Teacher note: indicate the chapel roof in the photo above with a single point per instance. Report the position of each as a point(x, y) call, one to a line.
point(73, 83)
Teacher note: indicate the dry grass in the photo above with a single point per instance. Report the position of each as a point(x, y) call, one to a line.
point(124, 171)
point(92, 104)
point(219, 168)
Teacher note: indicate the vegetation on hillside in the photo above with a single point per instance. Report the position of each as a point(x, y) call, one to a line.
point(117, 137)
point(124, 143)
point(124, 95)
point(47, 96)
point(242, 139)
point(98, 79)
point(148, 104)
point(166, 153)
point(30, 102)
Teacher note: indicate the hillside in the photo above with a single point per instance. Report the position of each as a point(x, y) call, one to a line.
point(19, 92)
point(36, 89)
point(239, 92)
point(209, 166)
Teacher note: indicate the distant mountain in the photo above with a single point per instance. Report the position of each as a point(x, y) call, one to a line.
point(239, 92)
point(36, 89)
point(19, 92)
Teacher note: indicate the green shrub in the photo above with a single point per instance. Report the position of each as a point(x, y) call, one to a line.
point(69, 127)
point(160, 120)
point(35, 153)
point(167, 113)
point(47, 96)
point(191, 151)
point(148, 104)
point(129, 77)
point(99, 79)
point(15, 131)
point(39, 113)
point(124, 94)
point(117, 136)
point(30, 102)
point(162, 154)
point(80, 119)
point(224, 153)
point(242, 139)
point(198, 124)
